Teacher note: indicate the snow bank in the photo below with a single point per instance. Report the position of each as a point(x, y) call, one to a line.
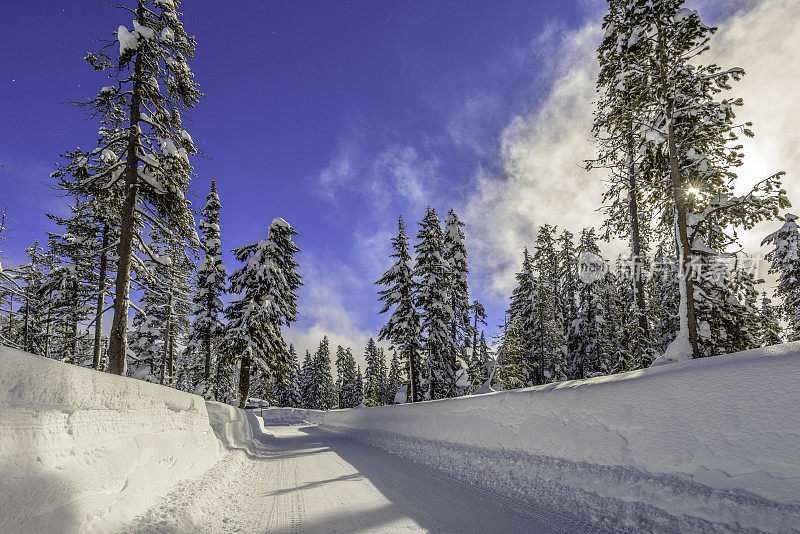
point(237, 428)
point(86, 451)
point(708, 444)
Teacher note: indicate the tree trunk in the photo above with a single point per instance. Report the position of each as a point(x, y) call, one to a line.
point(47, 332)
point(685, 249)
point(101, 300)
point(244, 380)
point(475, 334)
point(118, 340)
point(166, 365)
point(74, 346)
point(170, 345)
point(679, 197)
point(413, 382)
point(207, 347)
point(26, 326)
point(10, 316)
point(636, 243)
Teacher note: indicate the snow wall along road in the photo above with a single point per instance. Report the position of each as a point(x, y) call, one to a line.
point(84, 451)
point(705, 445)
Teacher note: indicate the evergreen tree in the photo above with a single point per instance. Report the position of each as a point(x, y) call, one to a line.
point(32, 276)
point(346, 378)
point(359, 387)
point(207, 327)
point(785, 262)
point(567, 303)
point(513, 364)
point(146, 338)
point(402, 329)
point(433, 300)
point(455, 253)
point(287, 393)
point(548, 335)
point(268, 284)
point(771, 333)
point(517, 353)
point(651, 55)
point(478, 320)
point(174, 279)
point(394, 379)
point(585, 329)
point(374, 379)
point(307, 392)
point(318, 388)
point(142, 154)
point(71, 283)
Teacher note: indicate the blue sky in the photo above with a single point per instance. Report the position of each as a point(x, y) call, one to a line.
point(340, 116)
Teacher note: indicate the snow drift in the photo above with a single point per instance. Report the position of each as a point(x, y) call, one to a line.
point(87, 451)
point(708, 444)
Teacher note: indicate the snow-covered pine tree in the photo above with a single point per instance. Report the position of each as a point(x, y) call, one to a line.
point(617, 130)
point(341, 363)
point(359, 386)
point(687, 137)
point(567, 304)
point(513, 365)
point(455, 253)
point(32, 315)
point(548, 335)
point(726, 306)
point(373, 380)
point(784, 261)
point(267, 283)
point(664, 298)
point(394, 380)
point(433, 301)
point(518, 361)
point(207, 327)
point(321, 391)
point(151, 85)
point(485, 357)
point(174, 277)
point(402, 329)
point(307, 391)
point(146, 337)
point(287, 393)
point(346, 378)
point(478, 319)
point(72, 283)
point(771, 333)
point(613, 327)
point(585, 328)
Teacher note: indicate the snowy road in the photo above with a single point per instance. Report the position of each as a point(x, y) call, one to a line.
point(305, 480)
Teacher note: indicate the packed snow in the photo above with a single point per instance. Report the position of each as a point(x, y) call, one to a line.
point(705, 445)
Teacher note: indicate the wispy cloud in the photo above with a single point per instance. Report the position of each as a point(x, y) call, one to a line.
point(341, 170)
point(401, 172)
point(542, 179)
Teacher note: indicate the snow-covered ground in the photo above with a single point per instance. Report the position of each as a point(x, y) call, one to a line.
point(708, 445)
point(711, 444)
point(83, 451)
